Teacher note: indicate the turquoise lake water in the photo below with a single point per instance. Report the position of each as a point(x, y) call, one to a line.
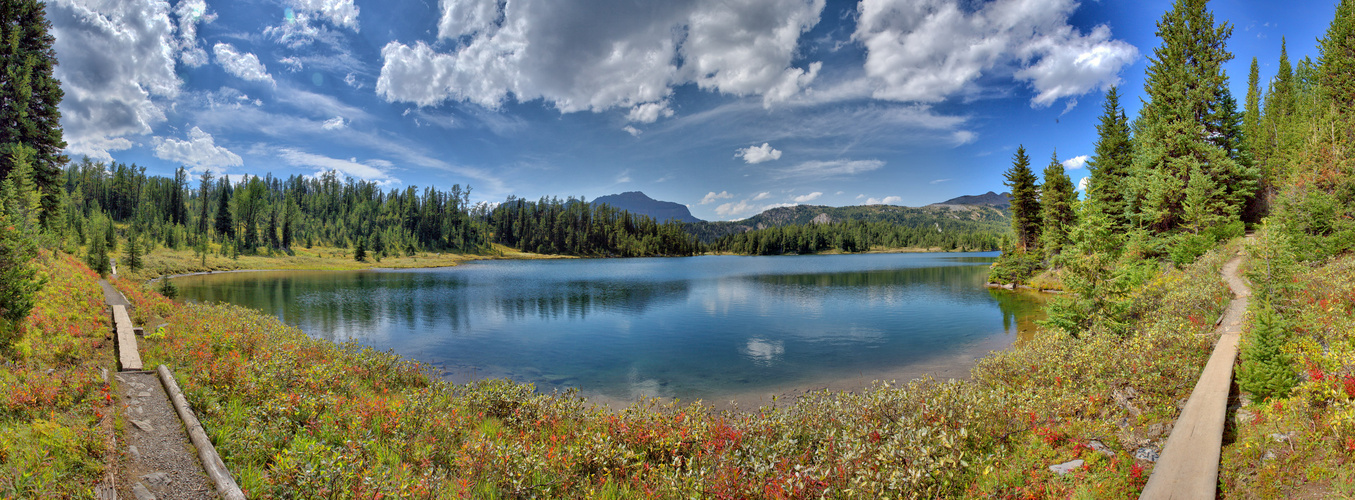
point(700, 327)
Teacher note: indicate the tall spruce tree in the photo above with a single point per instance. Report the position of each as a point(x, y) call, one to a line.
point(1058, 200)
point(1336, 71)
point(1185, 85)
point(30, 96)
point(19, 281)
point(225, 225)
point(1025, 201)
point(1110, 164)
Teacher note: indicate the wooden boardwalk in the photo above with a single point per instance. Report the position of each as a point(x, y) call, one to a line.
point(1189, 465)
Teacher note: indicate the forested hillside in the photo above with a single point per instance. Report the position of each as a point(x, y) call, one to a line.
point(953, 220)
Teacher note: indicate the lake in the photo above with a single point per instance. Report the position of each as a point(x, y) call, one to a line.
point(709, 327)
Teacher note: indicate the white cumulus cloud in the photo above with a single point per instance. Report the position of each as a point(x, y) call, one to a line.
point(649, 112)
point(1083, 183)
point(117, 71)
point(1075, 162)
point(190, 13)
point(928, 50)
point(758, 154)
point(888, 200)
point(712, 196)
point(244, 65)
point(587, 55)
point(199, 151)
point(808, 197)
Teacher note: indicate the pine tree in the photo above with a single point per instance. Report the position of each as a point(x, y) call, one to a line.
point(1110, 164)
point(204, 203)
point(1337, 62)
point(1058, 199)
point(360, 250)
point(19, 281)
point(30, 96)
point(1185, 86)
point(1025, 207)
point(1266, 371)
point(132, 252)
point(97, 254)
point(225, 227)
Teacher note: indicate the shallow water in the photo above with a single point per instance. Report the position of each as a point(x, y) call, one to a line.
point(692, 328)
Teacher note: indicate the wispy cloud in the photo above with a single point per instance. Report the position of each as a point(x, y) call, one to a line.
point(828, 169)
point(712, 196)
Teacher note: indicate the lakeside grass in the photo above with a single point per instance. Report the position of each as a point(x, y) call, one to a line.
point(165, 261)
point(294, 416)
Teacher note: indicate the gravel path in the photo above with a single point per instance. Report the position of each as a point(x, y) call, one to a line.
point(159, 461)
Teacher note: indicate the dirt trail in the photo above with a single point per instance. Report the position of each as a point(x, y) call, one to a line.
point(158, 461)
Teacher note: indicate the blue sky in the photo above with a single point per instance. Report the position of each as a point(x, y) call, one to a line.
point(728, 106)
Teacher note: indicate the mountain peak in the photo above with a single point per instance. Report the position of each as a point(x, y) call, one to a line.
point(637, 202)
point(989, 198)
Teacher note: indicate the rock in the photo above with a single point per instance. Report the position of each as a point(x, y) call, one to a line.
point(157, 480)
point(136, 454)
point(1066, 467)
point(141, 492)
point(1101, 448)
point(1280, 438)
point(145, 426)
point(103, 372)
point(143, 394)
point(1146, 453)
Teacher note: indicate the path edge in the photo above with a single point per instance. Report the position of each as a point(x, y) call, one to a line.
point(211, 461)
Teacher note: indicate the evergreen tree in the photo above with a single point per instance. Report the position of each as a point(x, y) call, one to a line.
point(30, 96)
point(132, 252)
point(1185, 87)
point(1336, 71)
point(19, 281)
point(1266, 370)
point(225, 226)
point(360, 250)
point(1025, 209)
point(1058, 198)
point(1251, 118)
point(1110, 164)
point(204, 206)
point(97, 254)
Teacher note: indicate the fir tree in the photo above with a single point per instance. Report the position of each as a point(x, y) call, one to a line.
point(30, 96)
point(19, 281)
point(204, 207)
point(1058, 198)
point(132, 253)
point(1184, 85)
point(360, 250)
point(1109, 166)
point(1266, 371)
point(1337, 63)
point(1025, 209)
point(225, 226)
point(97, 254)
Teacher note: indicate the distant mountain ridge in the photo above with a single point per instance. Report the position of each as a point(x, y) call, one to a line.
point(939, 215)
point(638, 203)
point(990, 198)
